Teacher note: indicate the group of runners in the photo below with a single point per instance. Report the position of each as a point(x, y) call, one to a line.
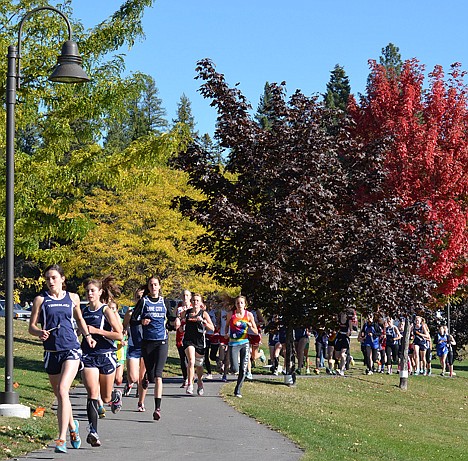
point(380, 340)
point(140, 340)
point(222, 331)
point(381, 346)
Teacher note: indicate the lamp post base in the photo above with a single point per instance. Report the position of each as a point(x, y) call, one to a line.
point(9, 397)
point(15, 410)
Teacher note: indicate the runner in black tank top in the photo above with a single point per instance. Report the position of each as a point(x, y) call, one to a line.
point(197, 321)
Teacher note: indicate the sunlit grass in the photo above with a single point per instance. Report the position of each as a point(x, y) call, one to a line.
point(19, 436)
point(355, 418)
point(364, 417)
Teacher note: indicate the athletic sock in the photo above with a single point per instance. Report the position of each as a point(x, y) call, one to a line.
point(92, 411)
point(157, 403)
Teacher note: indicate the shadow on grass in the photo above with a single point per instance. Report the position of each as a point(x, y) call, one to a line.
point(22, 363)
point(29, 342)
point(175, 361)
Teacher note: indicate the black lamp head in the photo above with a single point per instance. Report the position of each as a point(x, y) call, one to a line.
point(68, 68)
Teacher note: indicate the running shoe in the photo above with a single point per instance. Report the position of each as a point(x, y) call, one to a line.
point(189, 389)
point(209, 376)
point(145, 382)
point(60, 446)
point(224, 379)
point(184, 383)
point(93, 439)
point(157, 414)
point(101, 412)
point(75, 439)
point(239, 396)
point(262, 356)
point(249, 376)
point(116, 401)
point(141, 407)
point(127, 390)
point(200, 390)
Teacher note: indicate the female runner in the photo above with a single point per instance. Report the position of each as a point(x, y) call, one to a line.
point(197, 320)
point(151, 313)
point(54, 310)
point(238, 323)
point(100, 362)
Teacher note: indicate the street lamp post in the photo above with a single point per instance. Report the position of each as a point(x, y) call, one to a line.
point(67, 70)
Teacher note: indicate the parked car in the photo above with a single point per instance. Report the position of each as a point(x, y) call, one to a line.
point(18, 312)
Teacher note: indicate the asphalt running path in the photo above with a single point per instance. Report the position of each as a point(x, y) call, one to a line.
point(191, 427)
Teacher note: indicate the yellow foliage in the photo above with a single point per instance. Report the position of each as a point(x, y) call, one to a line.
point(137, 234)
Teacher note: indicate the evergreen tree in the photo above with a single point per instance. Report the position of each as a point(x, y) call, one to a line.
point(391, 59)
point(142, 115)
point(185, 116)
point(338, 89)
point(151, 108)
point(212, 148)
point(265, 113)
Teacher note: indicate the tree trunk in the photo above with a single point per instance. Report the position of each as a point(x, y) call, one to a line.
point(404, 358)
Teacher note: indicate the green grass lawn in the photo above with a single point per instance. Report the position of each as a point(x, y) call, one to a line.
point(362, 417)
point(19, 436)
point(332, 418)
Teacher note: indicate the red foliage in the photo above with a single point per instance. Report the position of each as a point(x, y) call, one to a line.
point(425, 132)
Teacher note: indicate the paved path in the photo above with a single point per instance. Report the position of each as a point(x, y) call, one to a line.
point(191, 427)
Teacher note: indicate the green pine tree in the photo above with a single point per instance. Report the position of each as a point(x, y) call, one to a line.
point(391, 59)
point(185, 116)
point(265, 113)
point(338, 89)
point(142, 115)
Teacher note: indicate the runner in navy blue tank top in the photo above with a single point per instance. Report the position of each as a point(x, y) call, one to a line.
point(51, 320)
point(136, 371)
point(100, 362)
point(151, 313)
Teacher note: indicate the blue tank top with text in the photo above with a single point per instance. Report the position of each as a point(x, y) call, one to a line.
point(57, 314)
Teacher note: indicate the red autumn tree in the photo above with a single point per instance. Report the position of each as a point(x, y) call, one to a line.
point(425, 134)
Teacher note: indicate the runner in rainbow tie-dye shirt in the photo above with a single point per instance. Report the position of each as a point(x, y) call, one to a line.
point(238, 323)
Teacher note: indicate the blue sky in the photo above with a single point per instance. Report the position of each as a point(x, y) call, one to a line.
point(298, 41)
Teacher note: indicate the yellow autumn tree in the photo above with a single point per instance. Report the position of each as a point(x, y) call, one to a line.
point(137, 233)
